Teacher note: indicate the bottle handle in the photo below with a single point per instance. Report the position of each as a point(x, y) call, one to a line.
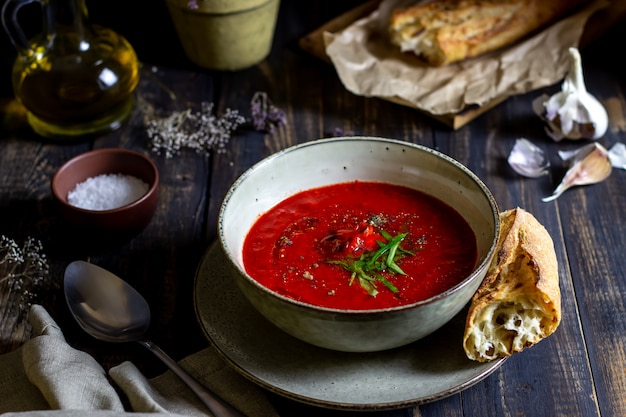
point(12, 25)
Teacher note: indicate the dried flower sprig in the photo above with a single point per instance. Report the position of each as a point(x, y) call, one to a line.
point(193, 4)
point(25, 269)
point(265, 116)
point(201, 131)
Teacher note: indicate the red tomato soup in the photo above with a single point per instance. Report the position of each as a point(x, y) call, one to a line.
point(320, 246)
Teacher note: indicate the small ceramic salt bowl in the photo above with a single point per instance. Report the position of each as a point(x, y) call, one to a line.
point(111, 191)
point(338, 160)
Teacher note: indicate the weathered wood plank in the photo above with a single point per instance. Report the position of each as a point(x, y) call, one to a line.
point(580, 370)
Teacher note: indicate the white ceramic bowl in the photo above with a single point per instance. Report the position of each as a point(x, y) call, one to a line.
point(330, 161)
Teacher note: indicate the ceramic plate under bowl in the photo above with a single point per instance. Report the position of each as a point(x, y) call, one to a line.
point(424, 371)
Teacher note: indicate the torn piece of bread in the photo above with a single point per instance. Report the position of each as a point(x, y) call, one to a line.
point(519, 301)
point(445, 31)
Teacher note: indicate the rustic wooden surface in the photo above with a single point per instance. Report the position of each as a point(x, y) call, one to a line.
point(578, 371)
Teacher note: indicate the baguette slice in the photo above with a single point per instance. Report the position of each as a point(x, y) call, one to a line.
point(519, 302)
point(445, 31)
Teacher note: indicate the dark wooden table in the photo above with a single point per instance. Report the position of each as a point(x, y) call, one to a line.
point(578, 371)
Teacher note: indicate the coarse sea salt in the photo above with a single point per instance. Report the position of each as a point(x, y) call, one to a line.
point(107, 192)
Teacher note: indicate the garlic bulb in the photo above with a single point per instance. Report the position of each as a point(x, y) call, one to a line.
point(572, 113)
point(589, 165)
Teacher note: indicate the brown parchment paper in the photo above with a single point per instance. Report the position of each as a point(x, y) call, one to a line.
point(369, 65)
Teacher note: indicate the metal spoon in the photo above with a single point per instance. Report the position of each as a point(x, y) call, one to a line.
point(109, 309)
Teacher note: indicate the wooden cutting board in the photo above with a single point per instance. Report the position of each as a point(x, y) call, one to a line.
point(313, 43)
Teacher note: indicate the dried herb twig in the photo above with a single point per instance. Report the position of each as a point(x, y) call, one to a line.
point(265, 116)
point(25, 269)
point(201, 131)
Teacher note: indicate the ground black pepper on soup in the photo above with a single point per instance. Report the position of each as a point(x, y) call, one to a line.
point(360, 246)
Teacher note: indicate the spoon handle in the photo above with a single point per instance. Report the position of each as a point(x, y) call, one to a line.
point(217, 406)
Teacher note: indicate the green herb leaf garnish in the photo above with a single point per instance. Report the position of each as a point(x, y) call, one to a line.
point(368, 267)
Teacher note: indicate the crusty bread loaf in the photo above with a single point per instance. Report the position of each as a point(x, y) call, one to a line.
point(444, 31)
point(519, 301)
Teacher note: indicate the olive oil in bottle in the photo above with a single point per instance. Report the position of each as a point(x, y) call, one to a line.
point(76, 80)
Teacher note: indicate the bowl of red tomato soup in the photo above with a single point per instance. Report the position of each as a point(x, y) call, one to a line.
point(358, 244)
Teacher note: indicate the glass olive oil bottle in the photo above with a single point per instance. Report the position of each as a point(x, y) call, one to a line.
point(74, 79)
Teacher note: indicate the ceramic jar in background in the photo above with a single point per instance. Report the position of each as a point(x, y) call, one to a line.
point(225, 35)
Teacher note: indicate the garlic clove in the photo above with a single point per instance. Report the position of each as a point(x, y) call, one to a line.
point(617, 155)
point(589, 165)
point(527, 159)
point(572, 113)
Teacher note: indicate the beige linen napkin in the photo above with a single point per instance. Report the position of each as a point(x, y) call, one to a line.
point(46, 377)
